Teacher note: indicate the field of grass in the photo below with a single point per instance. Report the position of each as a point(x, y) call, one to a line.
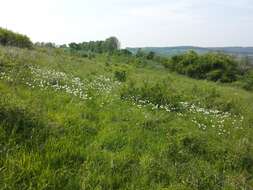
point(68, 122)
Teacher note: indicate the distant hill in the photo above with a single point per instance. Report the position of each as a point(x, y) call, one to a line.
point(168, 51)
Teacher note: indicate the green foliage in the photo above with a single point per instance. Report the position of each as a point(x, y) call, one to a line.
point(121, 76)
point(45, 44)
point(110, 45)
point(151, 55)
point(9, 38)
point(140, 53)
point(210, 66)
point(246, 81)
point(157, 130)
point(159, 94)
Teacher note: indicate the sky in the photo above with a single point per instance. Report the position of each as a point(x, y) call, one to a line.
point(137, 23)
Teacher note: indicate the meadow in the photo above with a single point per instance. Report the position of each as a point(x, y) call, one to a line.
point(114, 121)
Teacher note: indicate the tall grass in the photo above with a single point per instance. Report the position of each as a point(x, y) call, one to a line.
point(122, 137)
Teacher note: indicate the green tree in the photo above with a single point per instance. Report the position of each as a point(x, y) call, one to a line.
point(111, 44)
point(74, 46)
point(140, 53)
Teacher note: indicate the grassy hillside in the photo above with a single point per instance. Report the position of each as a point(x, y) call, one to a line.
point(109, 122)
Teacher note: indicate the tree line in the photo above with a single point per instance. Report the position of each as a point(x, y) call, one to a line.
point(110, 45)
point(10, 38)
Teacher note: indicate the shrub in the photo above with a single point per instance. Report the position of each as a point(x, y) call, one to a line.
point(214, 75)
point(247, 81)
point(9, 38)
point(210, 66)
point(159, 94)
point(120, 75)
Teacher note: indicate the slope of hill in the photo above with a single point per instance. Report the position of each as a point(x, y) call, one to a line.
point(105, 122)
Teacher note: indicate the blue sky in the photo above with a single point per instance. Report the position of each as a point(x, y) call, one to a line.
point(135, 22)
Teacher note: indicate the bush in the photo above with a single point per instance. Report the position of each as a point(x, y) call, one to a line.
point(210, 66)
point(9, 38)
point(159, 94)
point(214, 75)
point(247, 81)
point(120, 75)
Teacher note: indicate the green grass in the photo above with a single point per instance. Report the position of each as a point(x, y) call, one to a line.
point(54, 139)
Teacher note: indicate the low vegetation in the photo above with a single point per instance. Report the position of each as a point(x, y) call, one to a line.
point(115, 120)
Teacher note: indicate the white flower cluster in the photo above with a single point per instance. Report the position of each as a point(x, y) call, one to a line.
point(102, 84)
point(206, 117)
point(214, 118)
point(4, 76)
point(146, 103)
point(60, 81)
